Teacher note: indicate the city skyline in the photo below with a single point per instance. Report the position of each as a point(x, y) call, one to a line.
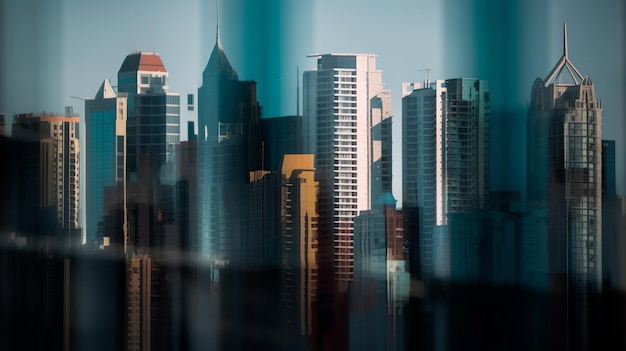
point(400, 62)
point(276, 225)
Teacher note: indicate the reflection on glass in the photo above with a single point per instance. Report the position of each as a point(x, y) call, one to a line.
point(300, 214)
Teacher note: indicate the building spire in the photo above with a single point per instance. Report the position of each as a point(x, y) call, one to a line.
point(564, 64)
point(217, 29)
point(218, 63)
point(565, 39)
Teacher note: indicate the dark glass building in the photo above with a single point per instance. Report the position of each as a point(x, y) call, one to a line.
point(228, 148)
point(564, 169)
point(153, 112)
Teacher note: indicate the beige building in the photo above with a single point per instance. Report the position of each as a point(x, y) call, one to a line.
point(58, 164)
point(299, 220)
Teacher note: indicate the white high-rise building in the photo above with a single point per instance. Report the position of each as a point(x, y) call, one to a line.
point(348, 113)
point(445, 152)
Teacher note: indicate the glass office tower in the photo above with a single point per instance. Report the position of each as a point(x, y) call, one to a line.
point(153, 112)
point(105, 118)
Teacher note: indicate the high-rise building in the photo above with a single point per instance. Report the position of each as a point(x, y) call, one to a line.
point(564, 174)
point(57, 136)
point(228, 148)
point(565, 169)
point(612, 238)
point(147, 326)
point(380, 145)
point(42, 194)
point(423, 161)
point(445, 151)
point(187, 193)
point(299, 243)
point(105, 125)
point(380, 290)
point(347, 113)
point(33, 309)
point(280, 136)
point(138, 301)
point(153, 122)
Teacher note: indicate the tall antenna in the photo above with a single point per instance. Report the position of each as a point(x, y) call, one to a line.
point(565, 39)
point(153, 35)
point(217, 28)
point(427, 81)
point(564, 63)
point(136, 31)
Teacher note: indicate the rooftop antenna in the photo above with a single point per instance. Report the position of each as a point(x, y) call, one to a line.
point(564, 64)
point(565, 39)
point(153, 35)
point(217, 29)
point(427, 81)
point(136, 32)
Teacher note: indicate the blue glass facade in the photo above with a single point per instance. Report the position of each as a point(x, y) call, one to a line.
point(100, 167)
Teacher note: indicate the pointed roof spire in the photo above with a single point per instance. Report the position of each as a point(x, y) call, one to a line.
point(565, 39)
point(218, 63)
point(564, 63)
point(105, 92)
point(217, 28)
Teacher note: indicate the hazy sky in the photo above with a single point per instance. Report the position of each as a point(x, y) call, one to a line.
point(52, 50)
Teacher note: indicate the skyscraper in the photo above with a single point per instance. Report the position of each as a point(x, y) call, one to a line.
point(280, 136)
point(612, 238)
point(59, 190)
point(446, 159)
point(564, 174)
point(228, 120)
point(299, 243)
point(423, 161)
point(105, 118)
point(347, 113)
point(379, 293)
point(153, 123)
point(228, 151)
point(565, 169)
point(138, 301)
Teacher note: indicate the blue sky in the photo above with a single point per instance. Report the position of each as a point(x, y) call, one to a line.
point(53, 50)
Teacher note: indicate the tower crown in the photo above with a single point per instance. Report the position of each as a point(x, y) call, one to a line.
point(564, 64)
point(218, 62)
point(105, 91)
point(142, 61)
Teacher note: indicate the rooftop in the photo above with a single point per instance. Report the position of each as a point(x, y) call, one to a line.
point(105, 92)
point(143, 61)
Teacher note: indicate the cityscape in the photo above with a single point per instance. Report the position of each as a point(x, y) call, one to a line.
point(314, 207)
